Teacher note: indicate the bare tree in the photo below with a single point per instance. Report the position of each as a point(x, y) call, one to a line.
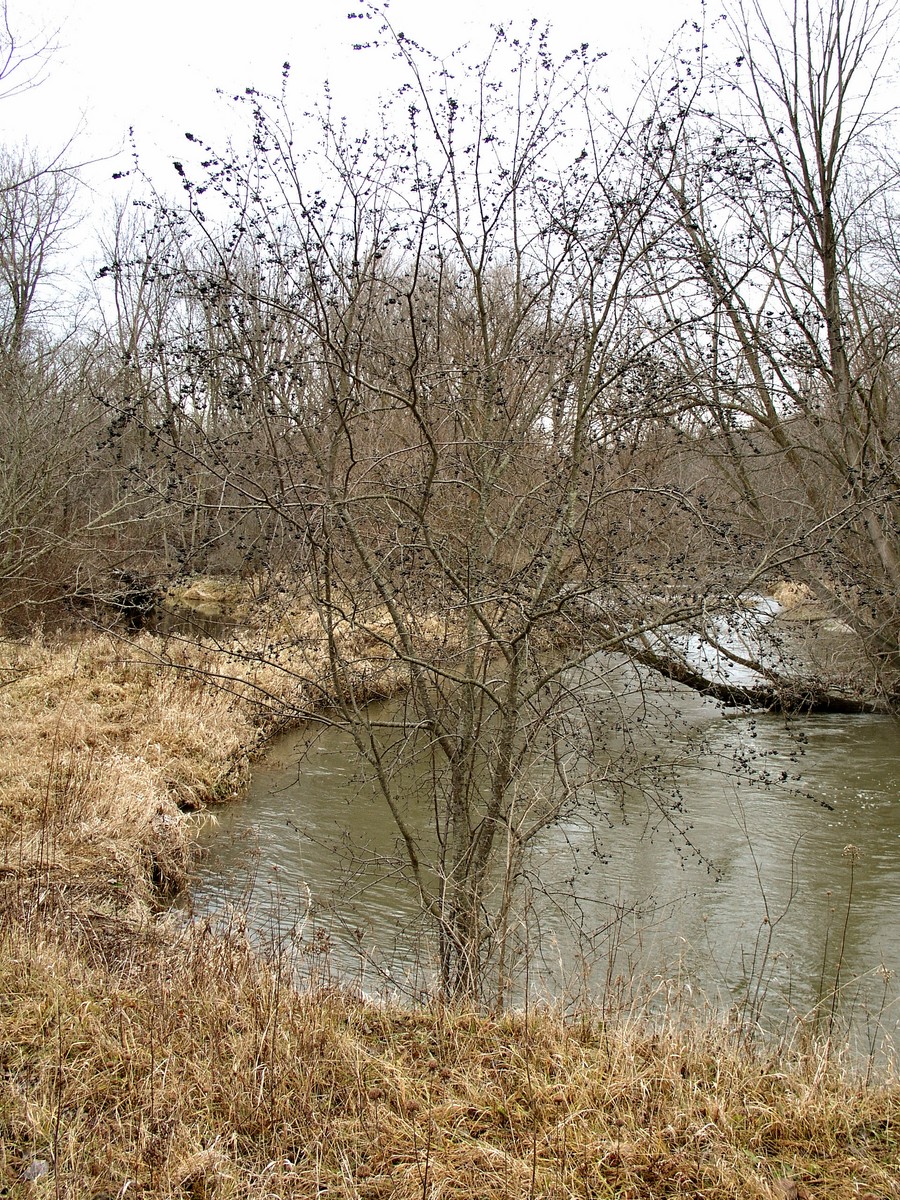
point(23, 58)
point(437, 411)
point(35, 215)
point(475, 364)
point(776, 299)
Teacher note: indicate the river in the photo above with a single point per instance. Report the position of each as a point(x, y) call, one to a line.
point(761, 870)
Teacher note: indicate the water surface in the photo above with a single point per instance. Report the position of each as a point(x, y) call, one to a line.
point(761, 869)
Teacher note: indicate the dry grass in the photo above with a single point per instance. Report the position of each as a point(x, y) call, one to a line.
point(190, 1068)
point(106, 742)
point(100, 750)
point(140, 1058)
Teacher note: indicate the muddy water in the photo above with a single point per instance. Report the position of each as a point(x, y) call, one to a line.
point(762, 868)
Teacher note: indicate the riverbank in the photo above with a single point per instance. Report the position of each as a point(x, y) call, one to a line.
point(143, 1058)
point(108, 742)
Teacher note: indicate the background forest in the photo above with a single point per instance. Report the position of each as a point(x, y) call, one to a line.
point(504, 345)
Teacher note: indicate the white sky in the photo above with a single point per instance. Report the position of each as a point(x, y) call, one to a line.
point(156, 65)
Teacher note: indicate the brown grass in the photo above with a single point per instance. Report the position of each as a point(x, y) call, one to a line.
point(142, 1058)
point(99, 751)
point(106, 742)
point(185, 1066)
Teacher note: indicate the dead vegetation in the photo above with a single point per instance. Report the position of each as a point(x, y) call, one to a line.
point(188, 1067)
point(106, 742)
point(139, 1057)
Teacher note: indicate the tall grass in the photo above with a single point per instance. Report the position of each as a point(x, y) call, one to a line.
point(106, 743)
point(181, 1064)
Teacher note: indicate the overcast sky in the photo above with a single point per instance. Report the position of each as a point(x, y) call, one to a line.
point(156, 66)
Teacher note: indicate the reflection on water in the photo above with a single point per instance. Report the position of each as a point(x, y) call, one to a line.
point(735, 875)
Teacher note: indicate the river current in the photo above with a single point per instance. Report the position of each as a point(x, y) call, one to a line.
point(761, 870)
